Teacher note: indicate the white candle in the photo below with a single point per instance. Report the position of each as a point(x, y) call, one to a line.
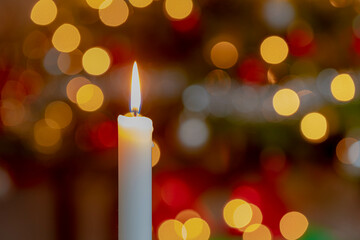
point(135, 143)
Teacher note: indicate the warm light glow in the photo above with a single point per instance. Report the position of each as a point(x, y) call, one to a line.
point(170, 230)
point(343, 88)
point(70, 63)
point(12, 112)
point(135, 100)
point(340, 3)
point(58, 112)
point(257, 232)
point(342, 150)
point(187, 214)
point(96, 61)
point(293, 225)
point(314, 127)
point(140, 3)
point(256, 219)
point(73, 86)
point(196, 229)
point(115, 14)
point(274, 50)
point(44, 12)
point(237, 213)
point(89, 97)
point(286, 102)
point(193, 133)
point(98, 4)
point(155, 154)
point(178, 9)
point(224, 55)
point(45, 135)
point(66, 38)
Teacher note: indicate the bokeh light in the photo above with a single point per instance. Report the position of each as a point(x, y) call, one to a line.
point(96, 61)
point(50, 62)
point(66, 38)
point(12, 112)
point(196, 229)
point(314, 127)
point(98, 4)
point(353, 154)
point(45, 135)
point(73, 86)
point(342, 150)
point(237, 213)
point(155, 154)
point(195, 98)
point(274, 50)
point(218, 82)
point(224, 55)
point(343, 88)
point(293, 225)
point(341, 3)
point(170, 230)
point(115, 14)
point(278, 14)
point(89, 97)
point(44, 12)
point(257, 232)
point(140, 3)
point(70, 63)
point(58, 112)
point(256, 218)
point(35, 45)
point(193, 133)
point(178, 9)
point(286, 102)
point(186, 214)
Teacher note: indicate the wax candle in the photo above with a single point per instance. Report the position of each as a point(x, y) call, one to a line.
point(135, 143)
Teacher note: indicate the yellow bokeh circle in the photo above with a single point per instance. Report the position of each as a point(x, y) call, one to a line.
point(98, 4)
point(140, 3)
point(224, 55)
point(293, 225)
point(237, 213)
point(257, 232)
point(96, 61)
point(58, 112)
point(256, 218)
point(196, 229)
point(66, 38)
point(170, 230)
point(343, 88)
point(45, 135)
point(314, 127)
point(43, 12)
point(89, 97)
point(155, 154)
point(178, 9)
point(274, 50)
point(286, 102)
point(115, 14)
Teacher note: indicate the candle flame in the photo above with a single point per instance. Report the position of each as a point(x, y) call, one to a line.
point(135, 100)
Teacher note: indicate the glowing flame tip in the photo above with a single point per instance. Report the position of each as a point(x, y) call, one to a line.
point(135, 100)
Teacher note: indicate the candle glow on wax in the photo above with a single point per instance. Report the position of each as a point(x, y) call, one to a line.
point(135, 90)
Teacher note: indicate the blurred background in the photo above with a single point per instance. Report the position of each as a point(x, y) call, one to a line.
point(255, 106)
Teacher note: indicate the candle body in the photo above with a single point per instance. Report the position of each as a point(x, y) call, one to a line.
point(135, 178)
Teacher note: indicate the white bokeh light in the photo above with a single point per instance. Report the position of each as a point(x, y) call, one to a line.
point(193, 133)
point(278, 14)
point(354, 154)
point(195, 98)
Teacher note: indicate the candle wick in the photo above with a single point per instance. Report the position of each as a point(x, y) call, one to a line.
point(135, 111)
